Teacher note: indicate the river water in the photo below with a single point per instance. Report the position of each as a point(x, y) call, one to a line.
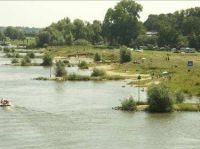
point(79, 115)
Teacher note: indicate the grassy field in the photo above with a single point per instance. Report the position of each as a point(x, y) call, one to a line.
point(147, 62)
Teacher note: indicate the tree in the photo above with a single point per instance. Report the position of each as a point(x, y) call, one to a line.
point(94, 32)
point(79, 30)
point(159, 98)
point(69, 39)
point(47, 60)
point(13, 33)
point(121, 24)
point(2, 36)
point(43, 38)
point(60, 69)
point(125, 55)
point(167, 36)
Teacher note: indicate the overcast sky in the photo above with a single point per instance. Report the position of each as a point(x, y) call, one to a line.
point(43, 13)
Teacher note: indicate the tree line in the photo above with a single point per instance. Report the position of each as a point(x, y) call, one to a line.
point(121, 26)
point(17, 33)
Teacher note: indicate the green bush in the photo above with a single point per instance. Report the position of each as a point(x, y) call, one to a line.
point(41, 78)
point(98, 72)
point(60, 69)
point(14, 60)
point(31, 54)
point(47, 60)
point(6, 50)
point(179, 96)
point(159, 98)
point(83, 65)
point(97, 57)
point(26, 61)
point(81, 42)
point(9, 55)
point(125, 55)
point(75, 77)
point(129, 104)
point(17, 55)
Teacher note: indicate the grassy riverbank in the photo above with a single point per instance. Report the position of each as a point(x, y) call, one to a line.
point(188, 107)
point(147, 62)
point(75, 77)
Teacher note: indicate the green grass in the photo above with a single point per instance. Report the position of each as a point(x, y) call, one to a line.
point(76, 77)
point(147, 62)
point(187, 107)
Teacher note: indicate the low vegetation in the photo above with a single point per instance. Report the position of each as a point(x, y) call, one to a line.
point(14, 61)
point(60, 70)
point(159, 98)
point(129, 104)
point(47, 60)
point(98, 72)
point(97, 57)
point(25, 61)
point(83, 65)
point(31, 54)
point(125, 55)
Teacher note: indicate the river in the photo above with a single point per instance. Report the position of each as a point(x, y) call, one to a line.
point(79, 115)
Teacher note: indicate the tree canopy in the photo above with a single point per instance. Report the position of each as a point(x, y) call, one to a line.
point(121, 26)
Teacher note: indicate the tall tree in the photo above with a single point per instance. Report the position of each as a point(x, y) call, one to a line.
point(121, 23)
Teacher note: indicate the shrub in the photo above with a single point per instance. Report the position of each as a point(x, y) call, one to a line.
point(9, 55)
point(31, 55)
point(81, 42)
point(41, 78)
point(60, 69)
point(47, 60)
point(179, 96)
point(98, 72)
point(97, 57)
point(17, 55)
point(159, 98)
point(14, 60)
point(25, 61)
point(83, 65)
point(129, 104)
point(6, 50)
point(75, 77)
point(125, 55)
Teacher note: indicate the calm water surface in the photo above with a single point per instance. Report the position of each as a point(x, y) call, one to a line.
point(78, 115)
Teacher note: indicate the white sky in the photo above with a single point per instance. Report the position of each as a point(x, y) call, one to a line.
point(43, 13)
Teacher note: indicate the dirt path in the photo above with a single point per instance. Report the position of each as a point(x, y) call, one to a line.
point(109, 70)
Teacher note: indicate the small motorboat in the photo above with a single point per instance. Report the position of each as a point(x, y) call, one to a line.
point(5, 102)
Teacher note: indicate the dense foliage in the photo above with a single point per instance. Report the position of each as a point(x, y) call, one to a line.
point(66, 32)
point(125, 55)
point(98, 72)
point(178, 29)
point(159, 98)
point(121, 26)
point(83, 65)
point(129, 104)
point(47, 60)
point(97, 57)
point(60, 69)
